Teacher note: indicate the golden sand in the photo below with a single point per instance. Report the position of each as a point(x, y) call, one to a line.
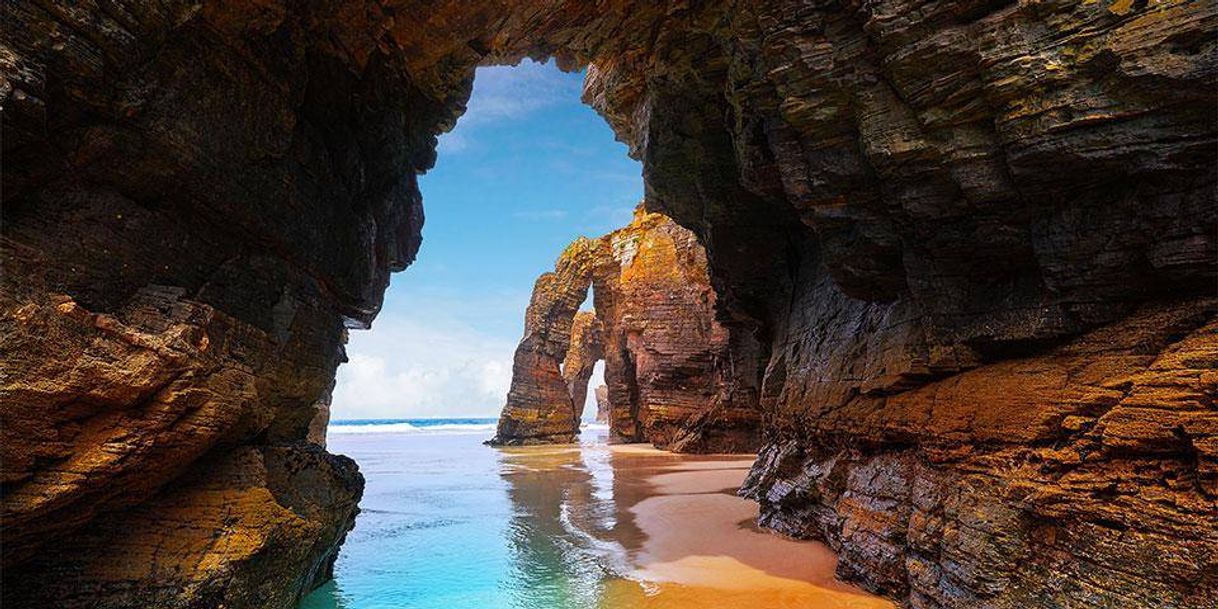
point(678, 535)
point(700, 549)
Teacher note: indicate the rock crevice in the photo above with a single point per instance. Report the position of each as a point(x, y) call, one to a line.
point(667, 359)
point(943, 238)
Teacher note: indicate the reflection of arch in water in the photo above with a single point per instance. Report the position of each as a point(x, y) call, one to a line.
point(561, 531)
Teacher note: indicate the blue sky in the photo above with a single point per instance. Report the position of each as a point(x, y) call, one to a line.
point(527, 169)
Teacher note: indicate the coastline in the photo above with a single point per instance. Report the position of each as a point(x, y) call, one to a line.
point(687, 540)
point(449, 522)
point(701, 546)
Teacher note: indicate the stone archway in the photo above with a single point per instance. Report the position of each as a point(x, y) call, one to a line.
point(666, 355)
point(968, 246)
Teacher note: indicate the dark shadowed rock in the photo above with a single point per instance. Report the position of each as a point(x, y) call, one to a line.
point(956, 247)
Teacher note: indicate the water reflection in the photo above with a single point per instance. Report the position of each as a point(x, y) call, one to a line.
point(595, 528)
point(549, 490)
point(449, 523)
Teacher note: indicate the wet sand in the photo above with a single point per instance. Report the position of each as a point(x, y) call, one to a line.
point(701, 548)
point(681, 539)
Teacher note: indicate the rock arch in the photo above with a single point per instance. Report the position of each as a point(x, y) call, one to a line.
point(667, 358)
point(898, 201)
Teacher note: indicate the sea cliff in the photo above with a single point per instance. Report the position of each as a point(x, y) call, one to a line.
point(967, 246)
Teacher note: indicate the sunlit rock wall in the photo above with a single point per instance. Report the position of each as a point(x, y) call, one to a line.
point(896, 199)
point(539, 408)
point(668, 362)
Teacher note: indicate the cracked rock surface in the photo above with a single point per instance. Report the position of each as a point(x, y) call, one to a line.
point(965, 245)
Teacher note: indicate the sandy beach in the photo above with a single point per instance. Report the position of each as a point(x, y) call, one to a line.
point(684, 540)
point(447, 522)
point(701, 548)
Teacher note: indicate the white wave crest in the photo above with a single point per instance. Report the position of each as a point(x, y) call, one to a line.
point(407, 428)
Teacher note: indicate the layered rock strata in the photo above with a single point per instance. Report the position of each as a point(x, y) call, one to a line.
point(587, 348)
point(670, 365)
point(897, 199)
point(1075, 469)
point(195, 206)
point(539, 406)
point(668, 362)
point(602, 404)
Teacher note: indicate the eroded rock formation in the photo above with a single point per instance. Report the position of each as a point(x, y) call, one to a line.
point(669, 369)
point(602, 404)
point(587, 347)
point(1069, 469)
point(539, 409)
point(898, 200)
point(670, 366)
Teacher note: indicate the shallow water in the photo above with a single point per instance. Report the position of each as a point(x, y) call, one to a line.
point(449, 523)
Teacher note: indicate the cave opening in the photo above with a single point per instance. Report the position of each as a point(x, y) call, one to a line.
point(527, 168)
point(951, 239)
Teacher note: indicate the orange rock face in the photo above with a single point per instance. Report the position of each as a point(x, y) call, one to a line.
point(669, 363)
point(667, 360)
point(539, 408)
point(957, 248)
point(1020, 467)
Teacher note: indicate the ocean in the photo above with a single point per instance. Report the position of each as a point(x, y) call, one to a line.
point(449, 523)
point(445, 524)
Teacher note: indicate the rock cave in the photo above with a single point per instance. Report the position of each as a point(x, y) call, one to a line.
point(962, 257)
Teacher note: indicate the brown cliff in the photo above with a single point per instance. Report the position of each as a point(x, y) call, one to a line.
point(669, 363)
point(1063, 468)
point(587, 347)
point(668, 373)
point(899, 200)
point(603, 407)
point(539, 407)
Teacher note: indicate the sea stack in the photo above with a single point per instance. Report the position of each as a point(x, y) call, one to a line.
point(962, 256)
point(667, 359)
point(602, 404)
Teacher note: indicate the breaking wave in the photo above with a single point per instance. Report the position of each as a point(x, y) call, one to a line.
point(414, 426)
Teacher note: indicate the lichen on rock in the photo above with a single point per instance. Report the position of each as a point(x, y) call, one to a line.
point(667, 359)
point(940, 235)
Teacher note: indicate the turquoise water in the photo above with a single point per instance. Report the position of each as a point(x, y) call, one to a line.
point(448, 523)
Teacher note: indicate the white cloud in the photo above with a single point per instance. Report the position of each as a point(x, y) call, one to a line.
point(415, 367)
point(507, 92)
point(450, 143)
point(510, 93)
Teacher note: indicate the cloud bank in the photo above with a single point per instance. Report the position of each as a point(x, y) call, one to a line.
point(408, 367)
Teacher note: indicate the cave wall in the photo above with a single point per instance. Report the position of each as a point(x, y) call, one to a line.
point(196, 203)
point(985, 185)
point(903, 203)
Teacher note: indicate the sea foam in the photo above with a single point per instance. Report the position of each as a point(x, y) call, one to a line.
point(411, 427)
